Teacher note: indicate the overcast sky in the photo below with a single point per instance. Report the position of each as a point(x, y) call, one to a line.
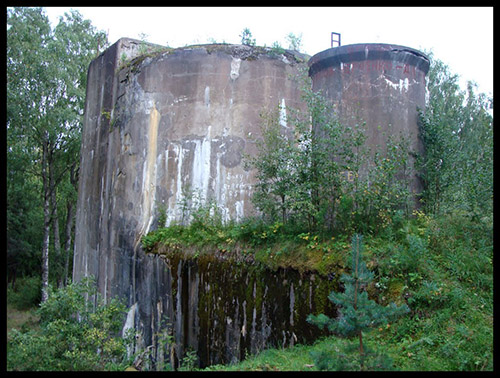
point(462, 37)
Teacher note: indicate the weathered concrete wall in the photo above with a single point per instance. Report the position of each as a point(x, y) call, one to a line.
point(169, 130)
point(380, 84)
point(224, 310)
point(189, 116)
point(156, 128)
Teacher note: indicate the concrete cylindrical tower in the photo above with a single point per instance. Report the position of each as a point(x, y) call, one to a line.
point(382, 85)
point(165, 128)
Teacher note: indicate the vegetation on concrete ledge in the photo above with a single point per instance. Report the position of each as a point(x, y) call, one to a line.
point(251, 241)
point(439, 266)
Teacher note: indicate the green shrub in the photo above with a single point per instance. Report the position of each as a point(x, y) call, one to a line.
point(465, 247)
point(74, 334)
point(428, 296)
point(412, 255)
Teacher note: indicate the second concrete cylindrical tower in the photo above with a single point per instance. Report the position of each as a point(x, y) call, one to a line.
point(381, 85)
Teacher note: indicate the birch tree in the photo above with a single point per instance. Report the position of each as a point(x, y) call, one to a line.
point(46, 84)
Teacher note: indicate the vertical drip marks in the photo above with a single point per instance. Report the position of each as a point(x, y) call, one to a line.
point(179, 320)
point(207, 96)
point(148, 188)
point(179, 152)
point(149, 173)
point(201, 166)
point(239, 209)
point(130, 327)
point(224, 311)
point(283, 113)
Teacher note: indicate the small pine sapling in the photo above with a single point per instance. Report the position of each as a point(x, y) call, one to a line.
point(357, 313)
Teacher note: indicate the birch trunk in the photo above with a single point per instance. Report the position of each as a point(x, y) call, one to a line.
point(55, 219)
point(46, 222)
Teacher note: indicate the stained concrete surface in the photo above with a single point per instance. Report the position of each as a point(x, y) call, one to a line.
point(168, 130)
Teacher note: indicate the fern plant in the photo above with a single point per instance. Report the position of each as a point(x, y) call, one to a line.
point(357, 313)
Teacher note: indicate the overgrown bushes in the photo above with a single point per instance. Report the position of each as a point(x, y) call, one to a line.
point(322, 177)
point(457, 131)
point(74, 334)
